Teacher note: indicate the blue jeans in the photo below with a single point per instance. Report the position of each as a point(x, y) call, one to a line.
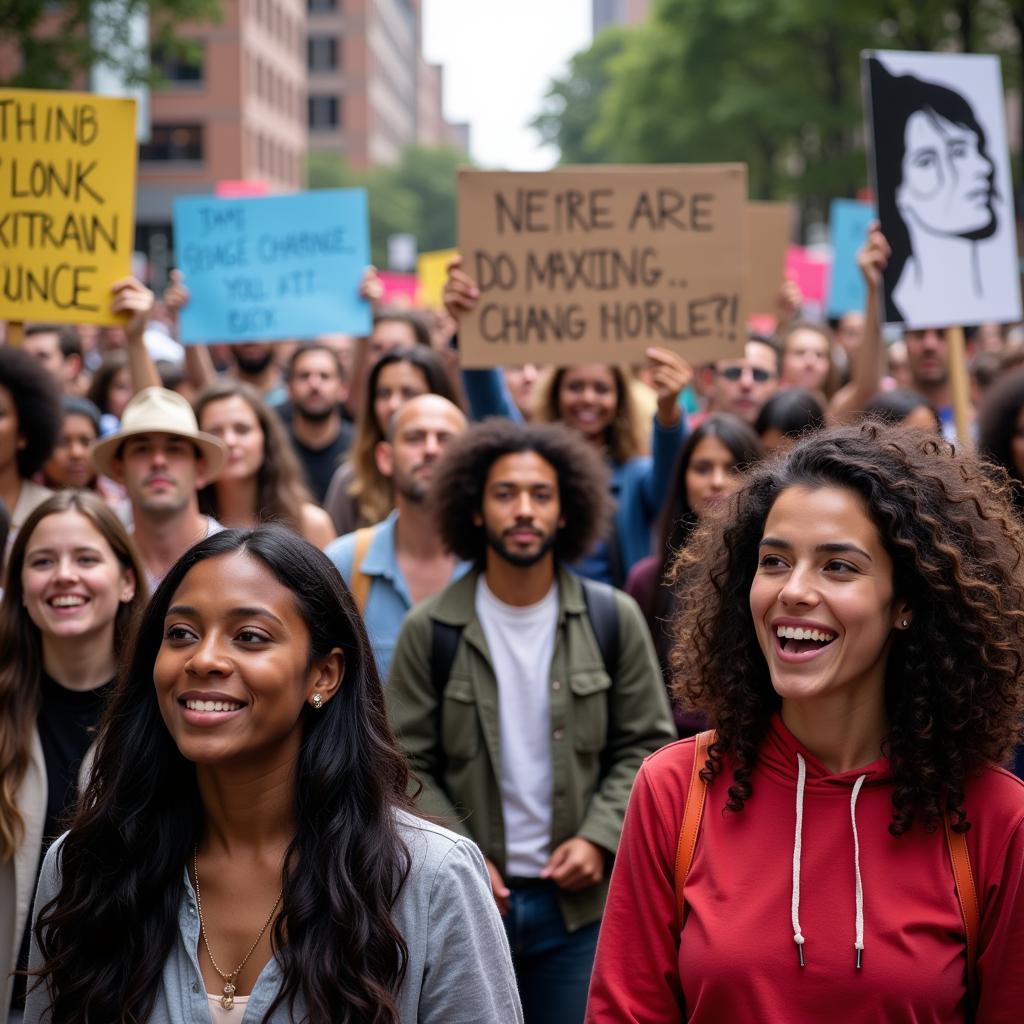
point(552, 964)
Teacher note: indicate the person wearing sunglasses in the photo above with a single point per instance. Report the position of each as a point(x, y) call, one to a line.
point(741, 385)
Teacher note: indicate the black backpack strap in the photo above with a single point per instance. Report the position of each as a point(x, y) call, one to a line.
point(604, 620)
point(602, 612)
point(444, 642)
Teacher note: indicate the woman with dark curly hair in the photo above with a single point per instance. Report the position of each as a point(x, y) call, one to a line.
point(245, 848)
point(855, 632)
point(262, 479)
point(30, 419)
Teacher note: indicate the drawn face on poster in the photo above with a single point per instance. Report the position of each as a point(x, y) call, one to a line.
point(944, 189)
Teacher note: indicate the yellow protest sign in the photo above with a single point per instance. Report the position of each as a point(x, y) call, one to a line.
point(431, 274)
point(67, 203)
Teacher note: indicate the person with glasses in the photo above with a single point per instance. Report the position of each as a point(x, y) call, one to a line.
point(741, 385)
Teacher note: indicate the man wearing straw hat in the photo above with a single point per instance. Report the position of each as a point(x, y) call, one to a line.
point(162, 459)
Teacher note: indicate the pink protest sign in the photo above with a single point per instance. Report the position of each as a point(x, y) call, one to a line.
point(240, 188)
point(809, 271)
point(399, 289)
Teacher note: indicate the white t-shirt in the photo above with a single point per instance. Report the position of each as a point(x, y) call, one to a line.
point(522, 642)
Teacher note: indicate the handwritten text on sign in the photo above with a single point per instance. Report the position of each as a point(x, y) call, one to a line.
point(67, 191)
point(597, 264)
point(273, 268)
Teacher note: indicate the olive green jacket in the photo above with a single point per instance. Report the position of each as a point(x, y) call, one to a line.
point(601, 728)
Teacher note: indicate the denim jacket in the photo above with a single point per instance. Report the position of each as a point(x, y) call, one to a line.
point(459, 968)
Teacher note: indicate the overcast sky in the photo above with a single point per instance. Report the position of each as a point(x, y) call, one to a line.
point(498, 57)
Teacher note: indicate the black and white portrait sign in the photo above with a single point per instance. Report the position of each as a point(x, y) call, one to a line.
point(941, 173)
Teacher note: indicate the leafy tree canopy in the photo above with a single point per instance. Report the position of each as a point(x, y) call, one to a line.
point(416, 195)
point(59, 43)
point(772, 83)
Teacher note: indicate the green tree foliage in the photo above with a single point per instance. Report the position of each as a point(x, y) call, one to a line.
point(416, 195)
point(772, 83)
point(572, 104)
point(57, 47)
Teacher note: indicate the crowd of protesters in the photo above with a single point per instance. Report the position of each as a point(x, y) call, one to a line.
point(395, 657)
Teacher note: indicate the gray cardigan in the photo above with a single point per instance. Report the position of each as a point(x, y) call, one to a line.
point(459, 969)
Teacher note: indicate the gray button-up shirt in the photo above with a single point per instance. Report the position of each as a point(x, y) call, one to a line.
point(459, 969)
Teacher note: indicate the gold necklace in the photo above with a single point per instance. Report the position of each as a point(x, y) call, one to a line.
point(228, 999)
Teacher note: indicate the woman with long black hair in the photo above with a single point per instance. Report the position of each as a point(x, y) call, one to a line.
point(246, 837)
point(707, 473)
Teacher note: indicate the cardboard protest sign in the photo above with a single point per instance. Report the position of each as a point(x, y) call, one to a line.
point(274, 268)
point(849, 221)
point(67, 204)
point(432, 272)
point(941, 174)
point(768, 231)
point(596, 264)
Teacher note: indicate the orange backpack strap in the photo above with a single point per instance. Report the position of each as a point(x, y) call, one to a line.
point(692, 814)
point(360, 581)
point(967, 895)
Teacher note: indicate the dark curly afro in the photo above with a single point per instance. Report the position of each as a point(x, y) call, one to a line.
point(458, 486)
point(37, 404)
point(954, 681)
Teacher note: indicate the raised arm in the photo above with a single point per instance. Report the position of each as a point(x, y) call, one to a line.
point(133, 297)
point(670, 374)
point(867, 360)
point(198, 364)
point(485, 389)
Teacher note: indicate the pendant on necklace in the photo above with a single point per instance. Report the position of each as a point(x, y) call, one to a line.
point(228, 999)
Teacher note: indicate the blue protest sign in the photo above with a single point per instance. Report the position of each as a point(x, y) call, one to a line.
point(848, 227)
point(273, 268)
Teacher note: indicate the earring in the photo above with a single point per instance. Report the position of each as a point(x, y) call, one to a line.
point(905, 623)
point(318, 701)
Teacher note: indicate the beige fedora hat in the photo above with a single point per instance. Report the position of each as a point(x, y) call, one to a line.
point(159, 411)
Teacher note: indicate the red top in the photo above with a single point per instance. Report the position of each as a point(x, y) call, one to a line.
point(737, 960)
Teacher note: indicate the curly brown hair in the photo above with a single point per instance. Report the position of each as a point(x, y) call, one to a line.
point(457, 490)
point(954, 685)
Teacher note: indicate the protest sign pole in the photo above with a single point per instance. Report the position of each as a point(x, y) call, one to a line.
point(958, 384)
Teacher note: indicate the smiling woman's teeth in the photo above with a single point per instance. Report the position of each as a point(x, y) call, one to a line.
point(796, 633)
point(67, 601)
point(212, 705)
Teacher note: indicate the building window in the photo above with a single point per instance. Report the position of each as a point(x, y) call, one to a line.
point(322, 53)
point(174, 142)
point(323, 113)
point(322, 6)
point(178, 67)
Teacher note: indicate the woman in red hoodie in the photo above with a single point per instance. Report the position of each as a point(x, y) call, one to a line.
point(855, 632)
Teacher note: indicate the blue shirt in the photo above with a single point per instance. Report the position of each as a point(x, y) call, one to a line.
point(458, 967)
point(388, 600)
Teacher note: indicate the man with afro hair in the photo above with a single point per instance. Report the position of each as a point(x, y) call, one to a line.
point(526, 698)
